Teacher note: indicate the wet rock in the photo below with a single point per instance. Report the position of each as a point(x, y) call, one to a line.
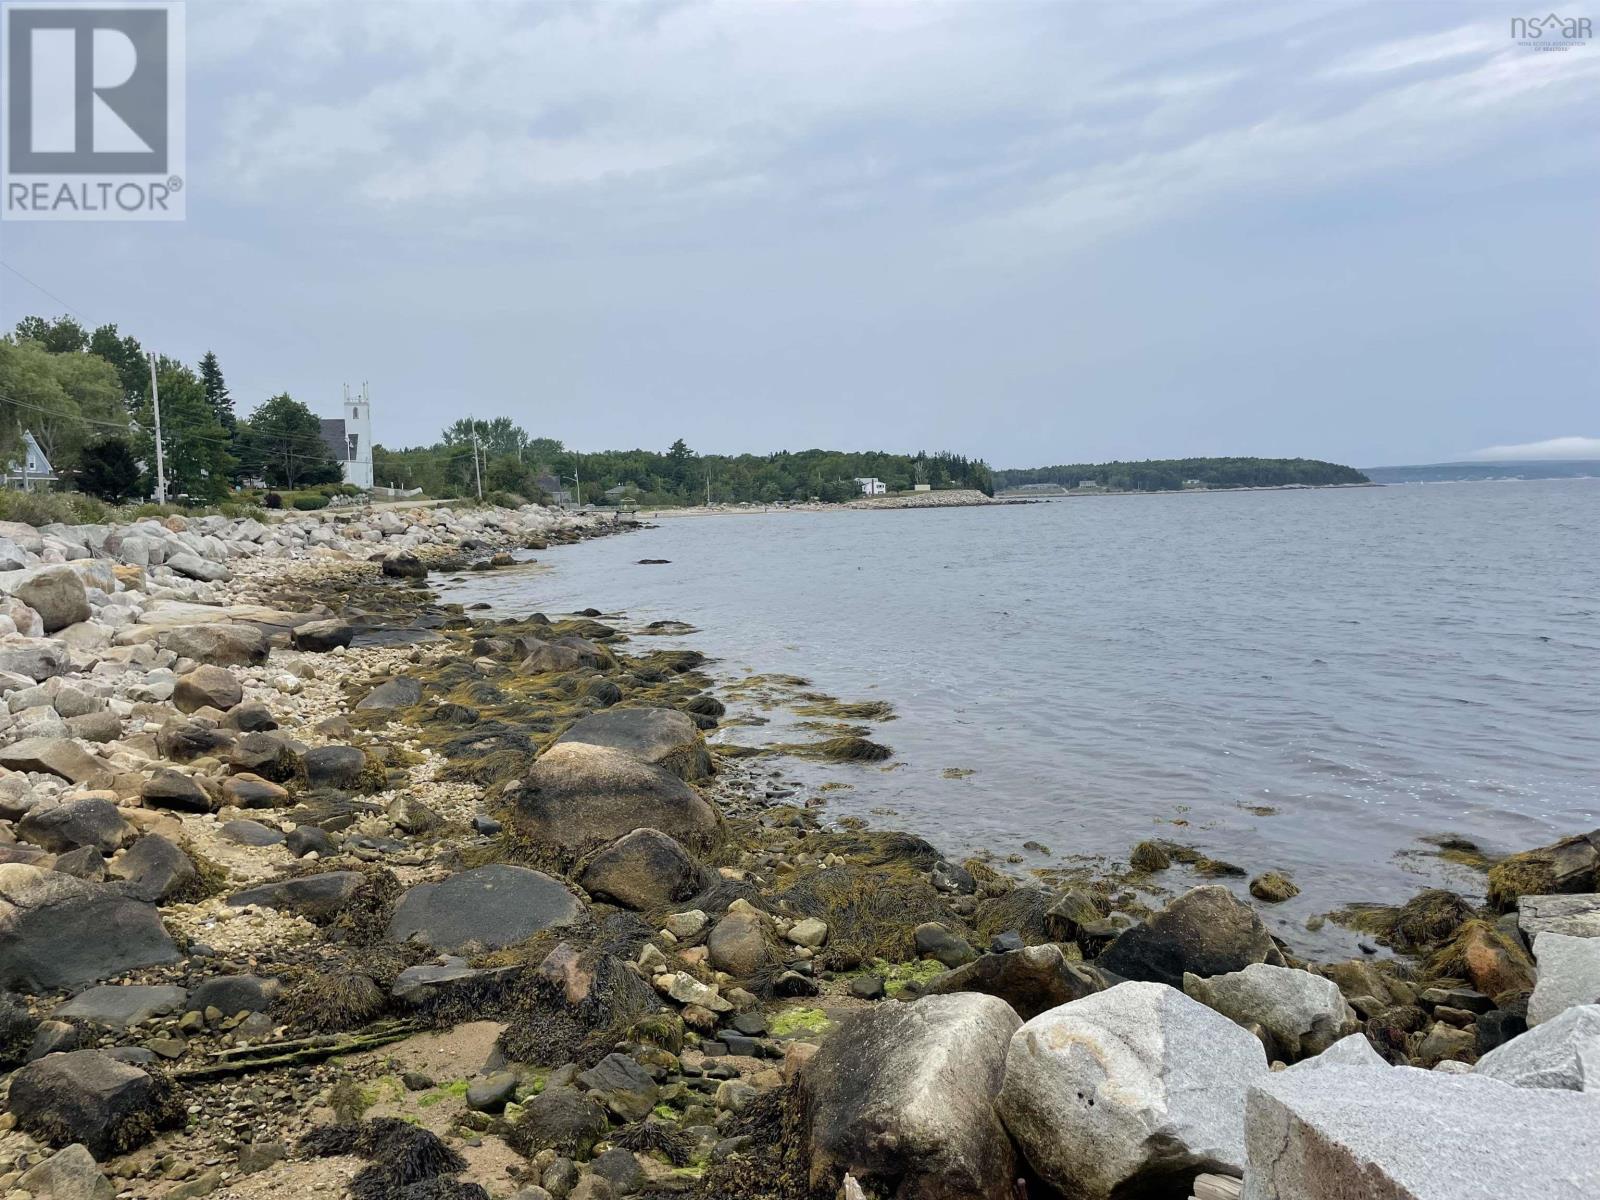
point(1569, 975)
point(156, 868)
point(1149, 856)
point(269, 755)
point(207, 687)
point(1568, 866)
point(562, 1119)
point(173, 789)
point(487, 907)
point(85, 1097)
point(902, 1097)
point(577, 795)
point(57, 594)
point(662, 736)
point(547, 656)
point(643, 870)
point(1031, 980)
point(52, 756)
point(1304, 1013)
point(315, 897)
point(403, 566)
point(1493, 960)
point(1273, 888)
point(412, 816)
point(83, 863)
point(935, 941)
point(185, 741)
point(90, 822)
point(1444, 1044)
point(1328, 1135)
point(250, 717)
point(308, 839)
point(490, 1092)
point(251, 833)
point(1206, 931)
point(234, 994)
point(1128, 1087)
point(400, 692)
point(867, 987)
point(247, 790)
point(1497, 1027)
point(122, 1004)
point(334, 766)
point(622, 1085)
point(218, 645)
point(56, 931)
point(69, 1174)
point(319, 637)
point(417, 985)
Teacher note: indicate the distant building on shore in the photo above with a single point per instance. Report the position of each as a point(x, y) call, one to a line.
point(872, 487)
point(550, 485)
point(30, 467)
point(349, 438)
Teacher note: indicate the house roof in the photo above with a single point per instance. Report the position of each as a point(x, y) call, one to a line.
point(333, 437)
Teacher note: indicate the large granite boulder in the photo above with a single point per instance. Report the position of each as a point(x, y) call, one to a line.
point(740, 943)
point(121, 1005)
point(207, 687)
point(87, 1097)
point(90, 821)
point(334, 766)
point(902, 1097)
point(643, 870)
point(577, 796)
point(1031, 980)
point(1137, 1087)
point(1569, 974)
point(69, 1174)
point(663, 736)
point(54, 756)
point(1304, 1013)
point(1563, 1052)
point(485, 908)
point(319, 637)
point(1352, 1051)
point(1575, 915)
point(234, 994)
point(1421, 1135)
point(192, 566)
point(1206, 931)
point(57, 931)
point(57, 594)
point(220, 645)
point(173, 789)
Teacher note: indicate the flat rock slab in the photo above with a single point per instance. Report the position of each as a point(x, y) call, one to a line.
point(1422, 1135)
point(1575, 916)
point(1569, 974)
point(122, 1004)
point(400, 692)
point(54, 756)
point(415, 985)
point(316, 897)
point(489, 907)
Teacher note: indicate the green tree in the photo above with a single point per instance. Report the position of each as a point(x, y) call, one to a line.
point(217, 392)
point(27, 387)
point(128, 358)
point(284, 439)
point(193, 441)
point(108, 471)
point(60, 336)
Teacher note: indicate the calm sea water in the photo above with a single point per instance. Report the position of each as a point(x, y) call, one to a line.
point(1312, 682)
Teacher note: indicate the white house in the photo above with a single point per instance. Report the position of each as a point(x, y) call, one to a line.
point(872, 487)
point(349, 439)
point(30, 467)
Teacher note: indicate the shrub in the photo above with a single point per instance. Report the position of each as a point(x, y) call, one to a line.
point(272, 500)
point(42, 508)
point(310, 503)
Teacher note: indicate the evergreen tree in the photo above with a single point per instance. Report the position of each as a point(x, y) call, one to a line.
point(217, 392)
point(193, 441)
point(108, 470)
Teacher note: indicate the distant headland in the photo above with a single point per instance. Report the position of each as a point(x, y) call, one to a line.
point(1177, 475)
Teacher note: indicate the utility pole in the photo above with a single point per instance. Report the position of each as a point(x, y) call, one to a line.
point(476, 472)
point(161, 461)
point(577, 483)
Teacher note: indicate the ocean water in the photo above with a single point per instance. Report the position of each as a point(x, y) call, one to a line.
point(1313, 682)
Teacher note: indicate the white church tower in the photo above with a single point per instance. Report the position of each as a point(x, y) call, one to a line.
point(358, 438)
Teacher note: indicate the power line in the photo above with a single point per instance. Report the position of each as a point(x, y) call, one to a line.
point(40, 287)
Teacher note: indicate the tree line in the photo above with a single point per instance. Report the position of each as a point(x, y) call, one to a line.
point(85, 396)
point(1173, 474)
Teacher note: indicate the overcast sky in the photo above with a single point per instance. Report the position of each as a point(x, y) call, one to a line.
point(1034, 232)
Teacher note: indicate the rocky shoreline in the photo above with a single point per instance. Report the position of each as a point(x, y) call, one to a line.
point(313, 885)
